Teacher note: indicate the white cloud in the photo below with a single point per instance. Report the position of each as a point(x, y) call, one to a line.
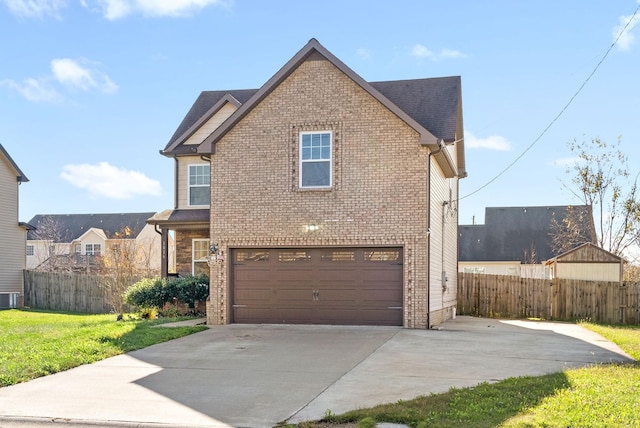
point(363, 53)
point(38, 90)
point(107, 181)
point(421, 51)
point(565, 162)
point(627, 38)
point(75, 75)
point(494, 142)
point(117, 9)
point(451, 53)
point(35, 8)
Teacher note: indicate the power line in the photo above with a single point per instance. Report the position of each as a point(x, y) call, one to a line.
point(553, 121)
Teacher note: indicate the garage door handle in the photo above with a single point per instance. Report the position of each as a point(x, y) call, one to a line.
point(239, 306)
point(394, 307)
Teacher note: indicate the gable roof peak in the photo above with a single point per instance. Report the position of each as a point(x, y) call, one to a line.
point(207, 146)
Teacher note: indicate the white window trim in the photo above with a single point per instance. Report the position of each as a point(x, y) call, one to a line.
point(189, 185)
point(330, 160)
point(193, 254)
point(93, 250)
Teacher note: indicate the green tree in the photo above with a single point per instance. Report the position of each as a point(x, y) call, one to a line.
point(601, 181)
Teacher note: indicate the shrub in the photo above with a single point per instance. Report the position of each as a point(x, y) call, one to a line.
point(157, 292)
point(146, 293)
point(189, 289)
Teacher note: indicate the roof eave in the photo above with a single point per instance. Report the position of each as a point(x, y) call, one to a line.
point(19, 174)
point(205, 117)
point(207, 146)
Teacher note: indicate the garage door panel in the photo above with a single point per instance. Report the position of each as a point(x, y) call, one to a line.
point(294, 295)
point(253, 294)
point(258, 275)
point(350, 286)
point(304, 276)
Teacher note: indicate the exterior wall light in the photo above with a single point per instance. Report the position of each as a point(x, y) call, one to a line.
point(311, 227)
point(213, 248)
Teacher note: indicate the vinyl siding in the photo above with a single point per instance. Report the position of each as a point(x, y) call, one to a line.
point(210, 125)
point(183, 179)
point(13, 246)
point(443, 246)
point(588, 271)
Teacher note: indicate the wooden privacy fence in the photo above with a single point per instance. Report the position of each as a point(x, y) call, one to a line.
point(558, 299)
point(72, 292)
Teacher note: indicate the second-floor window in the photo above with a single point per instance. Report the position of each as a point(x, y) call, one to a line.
point(315, 160)
point(30, 250)
point(92, 249)
point(199, 185)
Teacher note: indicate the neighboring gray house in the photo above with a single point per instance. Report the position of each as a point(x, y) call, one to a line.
point(12, 233)
point(74, 242)
point(514, 240)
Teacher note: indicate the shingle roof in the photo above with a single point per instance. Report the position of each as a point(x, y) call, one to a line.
point(19, 174)
point(432, 105)
point(510, 231)
point(432, 102)
point(205, 101)
point(73, 226)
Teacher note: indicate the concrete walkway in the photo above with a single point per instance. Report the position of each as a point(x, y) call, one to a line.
point(259, 375)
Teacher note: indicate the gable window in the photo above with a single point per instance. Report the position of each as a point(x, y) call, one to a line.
point(200, 252)
point(315, 160)
point(92, 249)
point(199, 185)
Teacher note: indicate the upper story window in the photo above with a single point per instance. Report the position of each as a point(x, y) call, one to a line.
point(315, 160)
point(92, 249)
point(30, 250)
point(199, 185)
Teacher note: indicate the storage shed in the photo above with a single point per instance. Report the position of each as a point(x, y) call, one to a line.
point(586, 262)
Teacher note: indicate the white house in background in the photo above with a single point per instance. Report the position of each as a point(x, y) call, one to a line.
point(75, 242)
point(515, 240)
point(12, 233)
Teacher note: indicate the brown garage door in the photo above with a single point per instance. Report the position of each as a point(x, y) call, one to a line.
point(346, 286)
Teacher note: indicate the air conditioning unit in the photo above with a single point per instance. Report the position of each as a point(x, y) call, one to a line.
point(9, 300)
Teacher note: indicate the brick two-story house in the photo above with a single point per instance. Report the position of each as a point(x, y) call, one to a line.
point(321, 197)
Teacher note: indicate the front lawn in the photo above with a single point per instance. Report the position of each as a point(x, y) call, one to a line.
point(606, 395)
point(38, 343)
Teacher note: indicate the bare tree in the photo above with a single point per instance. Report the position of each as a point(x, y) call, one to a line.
point(49, 232)
point(601, 180)
point(529, 262)
point(123, 263)
point(574, 228)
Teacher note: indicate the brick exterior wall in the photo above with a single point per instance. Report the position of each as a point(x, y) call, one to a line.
point(184, 240)
point(379, 194)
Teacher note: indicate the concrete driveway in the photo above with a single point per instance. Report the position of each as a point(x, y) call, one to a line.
point(259, 375)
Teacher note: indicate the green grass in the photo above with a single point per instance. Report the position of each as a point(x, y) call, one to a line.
point(37, 343)
point(606, 395)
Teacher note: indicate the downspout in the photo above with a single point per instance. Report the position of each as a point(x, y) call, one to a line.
point(431, 153)
point(164, 252)
point(175, 183)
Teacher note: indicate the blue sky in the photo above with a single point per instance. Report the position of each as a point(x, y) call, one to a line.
point(91, 90)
